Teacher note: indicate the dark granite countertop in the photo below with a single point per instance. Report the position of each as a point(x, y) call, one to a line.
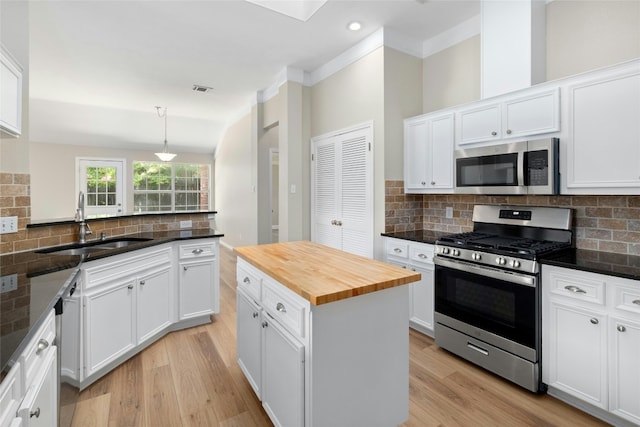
point(40, 279)
point(612, 264)
point(422, 236)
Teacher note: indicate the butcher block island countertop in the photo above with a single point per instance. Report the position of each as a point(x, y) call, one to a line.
point(321, 274)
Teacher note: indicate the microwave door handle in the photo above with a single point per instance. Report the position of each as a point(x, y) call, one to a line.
point(521, 170)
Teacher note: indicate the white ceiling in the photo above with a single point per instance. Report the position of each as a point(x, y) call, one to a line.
point(97, 68)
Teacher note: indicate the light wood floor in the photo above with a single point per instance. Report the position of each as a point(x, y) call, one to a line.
point(191, 378)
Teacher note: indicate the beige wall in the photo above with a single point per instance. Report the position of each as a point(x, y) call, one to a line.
point(14, 34)
point(267, 141)
point(54, 189)
point(452, 76)
point(234, 179)
point(402, 99)
point(585, 35)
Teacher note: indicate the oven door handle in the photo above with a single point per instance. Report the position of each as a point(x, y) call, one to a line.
point(507, 276)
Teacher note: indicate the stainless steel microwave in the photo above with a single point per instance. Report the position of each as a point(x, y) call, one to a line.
point(525, 167)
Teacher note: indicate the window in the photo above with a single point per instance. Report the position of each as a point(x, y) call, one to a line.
point(169, 187)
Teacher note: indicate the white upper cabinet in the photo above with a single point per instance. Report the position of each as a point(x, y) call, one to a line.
point(428, 153)
point(10, 94)
point(527, 113)
point(603, 143)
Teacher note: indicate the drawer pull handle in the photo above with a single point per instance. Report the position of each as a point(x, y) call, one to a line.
point(423, 256)
point(247, 280)
point(621, 328)
point(35, 413)
point(42, 345)
point(130, 287)
point(594, 321)
point(397, 250)
point(575, 289)
point(280, 307)
point(478, 349)
point(636, 302)
point(255, 314)
point(197, 251)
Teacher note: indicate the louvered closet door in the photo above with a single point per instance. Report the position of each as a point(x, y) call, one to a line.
point(343, 191)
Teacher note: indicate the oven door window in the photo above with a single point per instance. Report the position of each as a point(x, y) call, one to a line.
point(497, 170)
point(500, 307)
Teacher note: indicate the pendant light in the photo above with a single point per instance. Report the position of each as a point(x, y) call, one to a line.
point(165, 155)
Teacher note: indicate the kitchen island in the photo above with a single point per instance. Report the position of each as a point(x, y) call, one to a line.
point(323, 335)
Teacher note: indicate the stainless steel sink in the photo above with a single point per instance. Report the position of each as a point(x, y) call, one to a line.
point(92, 247)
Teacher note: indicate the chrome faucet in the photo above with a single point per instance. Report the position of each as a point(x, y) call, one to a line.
point(84, 227)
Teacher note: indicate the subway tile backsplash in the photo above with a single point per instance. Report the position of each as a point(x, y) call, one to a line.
point(603, 223)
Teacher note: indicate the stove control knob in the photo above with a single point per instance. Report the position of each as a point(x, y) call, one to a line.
point(455, 252)
point(445, 250)
point(476, 256)
point(501, 260)
point(514, 263)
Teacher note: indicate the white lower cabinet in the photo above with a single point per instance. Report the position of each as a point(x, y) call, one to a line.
point(198, 283)
point(40, 405)
point(130, 300)
point(591, 342)
point(283, 375)
point(249, 340)
point(417, 257)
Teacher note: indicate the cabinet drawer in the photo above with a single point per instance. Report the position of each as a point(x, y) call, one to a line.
point(197, 250)
point(10, 394)
point(397, 248)
point(578, 286)
point(421, 254)
point(249, 279)
point(626, 299)
point(34, 355)
point(283, 305)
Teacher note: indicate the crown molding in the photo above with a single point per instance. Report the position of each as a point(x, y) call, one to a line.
point(451, 37)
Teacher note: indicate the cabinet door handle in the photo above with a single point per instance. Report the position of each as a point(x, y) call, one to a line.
point(494, 133)
point(42, 345)
point(334, 222)
point(594, 321)
point(255, 314)
point(142, 282)
point(508, 131)
point(35, 413)
point(621, 328)
point(185, 268)
point(433, 183)
point(575, 289)
point(281, 308)
point(130, 287)
point(636, 302)
point(197, 251)
point(423, 183)
point(247, 280)
point(265, 324)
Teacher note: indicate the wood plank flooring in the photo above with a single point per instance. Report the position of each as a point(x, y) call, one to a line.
point(191, 378)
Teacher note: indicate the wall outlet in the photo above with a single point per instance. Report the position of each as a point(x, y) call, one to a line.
point(8, 283)
point(186, 224)
point(448, 212)
point(9, 224)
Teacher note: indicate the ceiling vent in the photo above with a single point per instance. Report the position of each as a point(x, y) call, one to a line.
point(201, 89)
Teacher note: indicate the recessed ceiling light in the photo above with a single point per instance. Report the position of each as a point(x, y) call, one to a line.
point(354, 26)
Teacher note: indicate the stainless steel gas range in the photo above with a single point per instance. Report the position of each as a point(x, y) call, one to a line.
point(487, 288)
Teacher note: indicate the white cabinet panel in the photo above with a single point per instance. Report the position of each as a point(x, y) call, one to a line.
point(479, 123)
point(625, 369)
point(40, 405)
point(249, 338)
point(10, 94)
point(196, 288)
point(603, 149)
point(154, 299)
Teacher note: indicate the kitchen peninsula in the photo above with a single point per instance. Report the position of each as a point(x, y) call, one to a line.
point(323, 334)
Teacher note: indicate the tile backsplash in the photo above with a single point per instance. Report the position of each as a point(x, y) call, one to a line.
point(603, 223)
point(15, 200)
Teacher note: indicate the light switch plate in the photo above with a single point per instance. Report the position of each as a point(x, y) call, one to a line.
point(9, 224)
point(8, 283)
